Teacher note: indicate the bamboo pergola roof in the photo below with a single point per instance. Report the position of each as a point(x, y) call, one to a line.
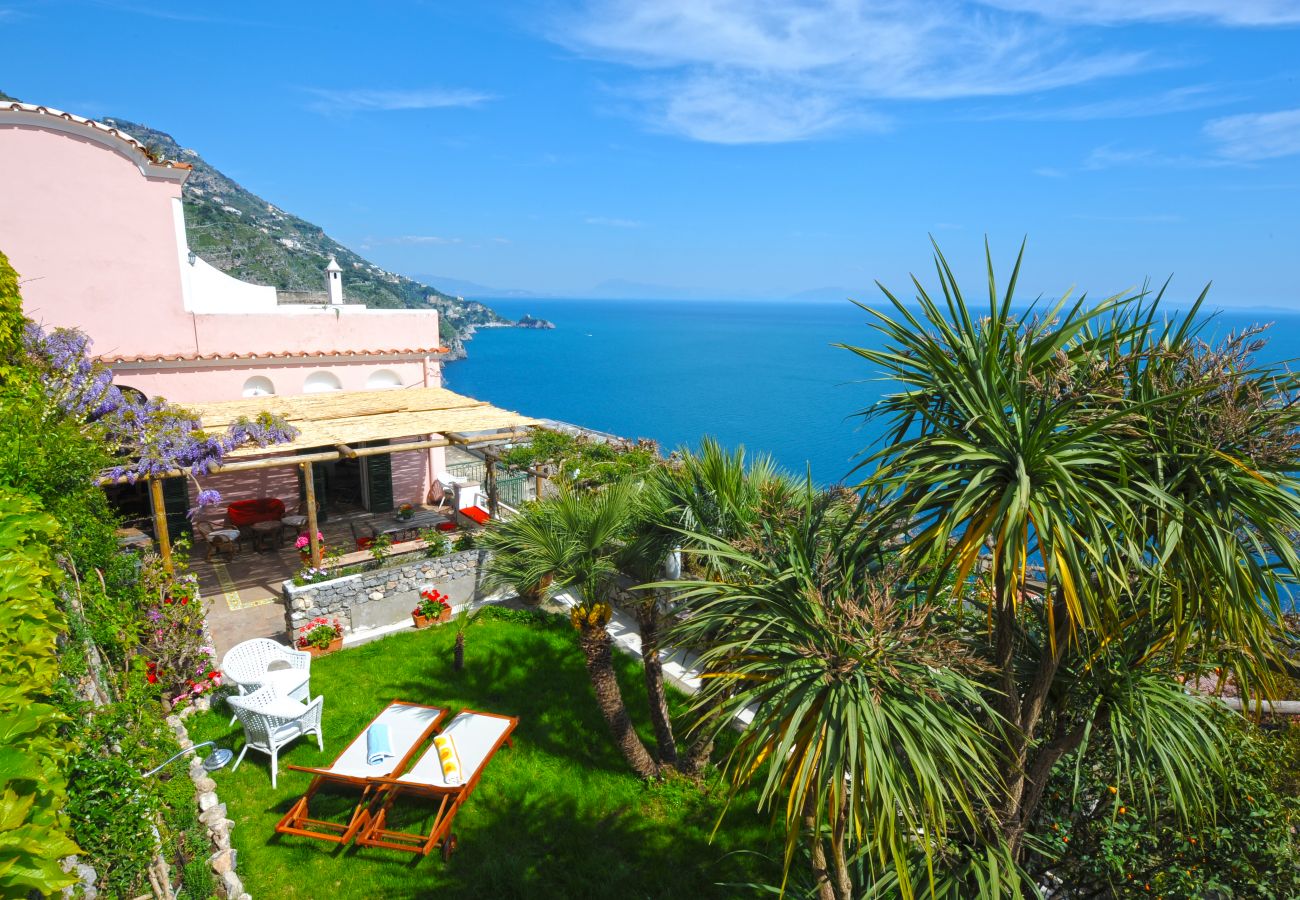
point(348, 418)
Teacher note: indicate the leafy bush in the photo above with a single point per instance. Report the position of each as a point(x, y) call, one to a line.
point(178, 659)
point(33, 759)
point(435, 542)
point(582, 460)
point(1105, 845)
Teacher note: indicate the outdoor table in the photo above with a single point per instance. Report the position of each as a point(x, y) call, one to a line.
point(410, 528)
point(132, 538)
point(267, 535)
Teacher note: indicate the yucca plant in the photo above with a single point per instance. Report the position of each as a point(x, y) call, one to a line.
point(868, 738)
point(1145, 475)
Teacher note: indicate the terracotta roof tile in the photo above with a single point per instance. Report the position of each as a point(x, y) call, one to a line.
point(110, 359)
point(15, 106)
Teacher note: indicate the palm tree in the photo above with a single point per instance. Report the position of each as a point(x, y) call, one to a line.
point(464, 619)
point(651, 553)
point(1138, 468)
point(865, 731)
point(574, 539)
point(719, 495)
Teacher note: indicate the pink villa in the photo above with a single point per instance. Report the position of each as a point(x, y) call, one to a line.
point(96, 230)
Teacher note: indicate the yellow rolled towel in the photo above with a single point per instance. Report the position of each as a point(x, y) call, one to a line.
point(449, 758)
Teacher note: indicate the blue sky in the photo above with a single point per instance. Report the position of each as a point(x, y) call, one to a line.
point(727, 148)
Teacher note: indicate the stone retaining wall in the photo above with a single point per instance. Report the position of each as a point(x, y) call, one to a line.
point(370, 600)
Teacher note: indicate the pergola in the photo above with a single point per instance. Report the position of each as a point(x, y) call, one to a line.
point(426, 417)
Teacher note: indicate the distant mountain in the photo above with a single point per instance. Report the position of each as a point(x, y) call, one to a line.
point(826, 293)
point(463, 288)
point(253, 240)
point(622, 289)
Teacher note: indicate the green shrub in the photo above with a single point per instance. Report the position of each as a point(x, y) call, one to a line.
point(1250, 848)
point(34, 755)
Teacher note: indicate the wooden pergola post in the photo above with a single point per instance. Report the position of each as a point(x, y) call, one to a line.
point(490, 476)
point(160, 524)
point(309, 498)
point(539, 483)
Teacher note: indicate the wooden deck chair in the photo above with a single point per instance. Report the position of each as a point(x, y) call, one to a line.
point(409, 726)
point(477, 736)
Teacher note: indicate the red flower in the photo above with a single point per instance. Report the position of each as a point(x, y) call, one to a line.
point(214, 674)
point(153, 679)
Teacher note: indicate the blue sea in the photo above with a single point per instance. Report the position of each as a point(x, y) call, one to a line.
point(763, 374)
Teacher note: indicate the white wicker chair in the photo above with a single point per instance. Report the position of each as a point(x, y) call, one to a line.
point(263, 662)
point(270, 721)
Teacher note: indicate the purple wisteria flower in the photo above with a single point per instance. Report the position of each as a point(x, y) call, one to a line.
point(155, 436)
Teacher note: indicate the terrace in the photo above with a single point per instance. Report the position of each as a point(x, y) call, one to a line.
point(354, 432)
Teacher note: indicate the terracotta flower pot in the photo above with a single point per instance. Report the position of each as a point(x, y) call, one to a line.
point(336, 644)
point(425, 621)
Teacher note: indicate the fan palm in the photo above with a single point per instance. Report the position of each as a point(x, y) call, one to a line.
point(726, 496)
point(574, 539)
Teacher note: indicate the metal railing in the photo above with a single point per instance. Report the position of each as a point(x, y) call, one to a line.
point(512, 490)
point(472, 471)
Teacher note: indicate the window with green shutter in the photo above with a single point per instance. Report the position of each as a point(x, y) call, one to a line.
point(176, 503)
point(379, 480)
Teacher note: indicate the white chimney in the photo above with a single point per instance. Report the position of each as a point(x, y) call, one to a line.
point(334, 282)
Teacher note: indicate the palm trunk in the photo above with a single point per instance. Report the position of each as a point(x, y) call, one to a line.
point(701, 748)
point(821, 875)
point(597, 646)
point(648, 619)
point(839, 832)
point(1027, 767)
point(458, 655)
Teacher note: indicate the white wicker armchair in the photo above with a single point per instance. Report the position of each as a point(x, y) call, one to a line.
point(263, 662)
point(270, 721)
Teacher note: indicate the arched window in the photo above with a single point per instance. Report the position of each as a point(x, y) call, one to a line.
point(258, 386)
point(320, 382)
point(383, 378)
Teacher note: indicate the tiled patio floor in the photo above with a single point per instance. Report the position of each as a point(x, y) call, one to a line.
point(243, 592)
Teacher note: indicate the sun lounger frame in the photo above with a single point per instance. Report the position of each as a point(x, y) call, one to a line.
point(297, 821)
point(449, 799)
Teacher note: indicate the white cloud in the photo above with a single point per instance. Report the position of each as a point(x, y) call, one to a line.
point(364, 100)
point(1174, 100)
point(1222, 12)
point(607, 222)
point(734, 71)
point(1255, 136)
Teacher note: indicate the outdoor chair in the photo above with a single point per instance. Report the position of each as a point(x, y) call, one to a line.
point(295, 521)
point(440, 497)
point(221, 540)
point(263, 662)
point(477, 736)
point(270, 721)
point(408, 726)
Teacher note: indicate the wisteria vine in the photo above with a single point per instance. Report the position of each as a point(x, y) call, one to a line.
point(151, 436)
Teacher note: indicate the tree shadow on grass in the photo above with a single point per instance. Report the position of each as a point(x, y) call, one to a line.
point(542, 681)
point(536, 845)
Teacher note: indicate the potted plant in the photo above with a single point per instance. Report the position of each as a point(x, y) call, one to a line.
point(304, 545)
point(405, 512)
point(434, 607)
point(321, 636)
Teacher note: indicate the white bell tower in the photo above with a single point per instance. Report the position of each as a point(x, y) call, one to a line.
point(334, 282)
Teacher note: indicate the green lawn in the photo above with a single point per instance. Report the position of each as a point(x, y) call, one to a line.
point(557, 815)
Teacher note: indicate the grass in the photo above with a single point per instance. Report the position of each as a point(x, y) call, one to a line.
point(557, 815)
